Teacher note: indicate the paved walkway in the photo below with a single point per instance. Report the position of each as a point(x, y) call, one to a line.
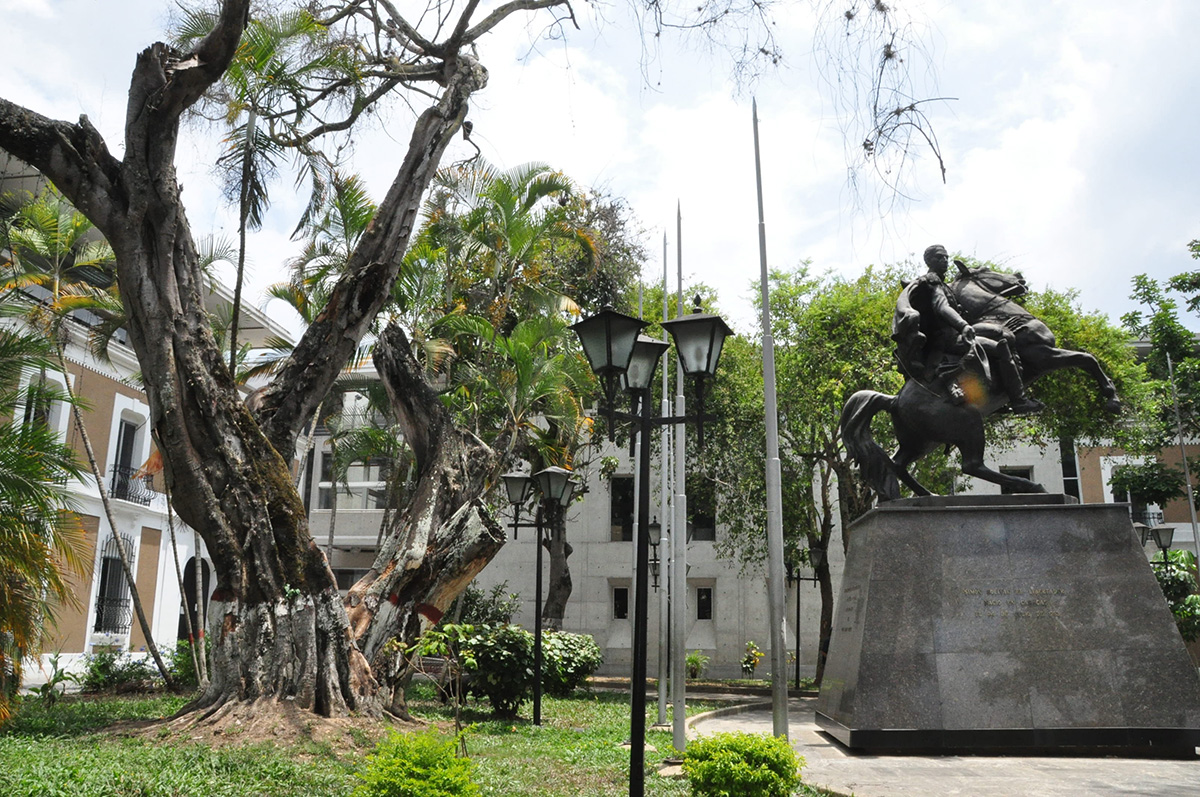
point(834, 767)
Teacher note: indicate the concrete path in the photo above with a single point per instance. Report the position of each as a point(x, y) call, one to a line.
point(834, 767)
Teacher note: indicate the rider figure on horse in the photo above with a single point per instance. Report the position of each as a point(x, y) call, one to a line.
point(935, 344)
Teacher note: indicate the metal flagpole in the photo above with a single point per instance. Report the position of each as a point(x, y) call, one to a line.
point(637, 490)
point(664, 553)
point(775, 586)
point(679, 531)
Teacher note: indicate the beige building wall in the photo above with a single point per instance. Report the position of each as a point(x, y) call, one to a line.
point(100, 392)
point(70, 631)
point(146, 579)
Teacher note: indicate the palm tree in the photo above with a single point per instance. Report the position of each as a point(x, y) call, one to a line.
point(56, 265)
point(277, 54)
point(40, 538)
point(497, 229)
point(527, 387)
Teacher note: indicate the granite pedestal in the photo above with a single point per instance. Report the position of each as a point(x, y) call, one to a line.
point(1005, 624)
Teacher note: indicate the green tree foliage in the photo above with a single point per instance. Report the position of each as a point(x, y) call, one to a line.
point(1149, 483)
point(1177, 577)
point(494, 607)
point(1074, 408)
point(1157, 321)
point(832, 337)
point(526, 386)
point(40, 539)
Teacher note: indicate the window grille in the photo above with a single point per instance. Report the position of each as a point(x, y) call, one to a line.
point(114, 611)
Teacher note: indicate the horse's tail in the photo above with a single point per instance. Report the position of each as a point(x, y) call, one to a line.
point(876, 466)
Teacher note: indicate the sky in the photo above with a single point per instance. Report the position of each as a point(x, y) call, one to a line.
point(1067, 142)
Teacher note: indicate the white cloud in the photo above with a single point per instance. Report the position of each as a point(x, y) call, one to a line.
point(1069, 149)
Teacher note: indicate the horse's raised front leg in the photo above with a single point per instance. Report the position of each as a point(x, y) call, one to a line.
point(1039, 360)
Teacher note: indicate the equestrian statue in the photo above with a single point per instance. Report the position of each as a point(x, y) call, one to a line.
point(967, 350)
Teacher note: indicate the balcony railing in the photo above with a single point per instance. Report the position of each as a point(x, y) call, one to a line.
point(129, 486)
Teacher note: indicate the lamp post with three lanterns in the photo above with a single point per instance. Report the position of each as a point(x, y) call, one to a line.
point(619, 354)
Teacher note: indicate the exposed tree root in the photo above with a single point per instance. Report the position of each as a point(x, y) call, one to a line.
point(268, 720)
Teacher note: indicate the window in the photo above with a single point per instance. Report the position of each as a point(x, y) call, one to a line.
point(114, 614)
point(347, 577)
point(128, 483)
point(621, 508)
point(702, 513)
point(41, 406)
point(1070, 467)
point(704, 603)
point(1020, 471)
point(362, 486)
point(620, 602)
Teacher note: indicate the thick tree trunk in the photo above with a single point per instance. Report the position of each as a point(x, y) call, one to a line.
point(558, 591)
point(824, 579)
point(443, 537)
point(826, 627)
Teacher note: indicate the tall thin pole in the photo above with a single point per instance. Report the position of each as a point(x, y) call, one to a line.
point(797, 629)
point(639, 487)
point(637, 731)
point(679, 531)
point(537, 620)
point(1187, 475)
point(775, 583)
point(664, 553)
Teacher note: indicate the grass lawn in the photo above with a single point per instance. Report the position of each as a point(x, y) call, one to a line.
point(64, 750)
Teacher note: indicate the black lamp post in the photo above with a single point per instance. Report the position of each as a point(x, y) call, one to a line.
point(698, 339)
point(655, 529)
point(608, 340)
point(816, 557)
point(1163, 536)
point(556, 490)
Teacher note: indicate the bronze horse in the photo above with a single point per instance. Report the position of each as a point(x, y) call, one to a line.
point(923, 415)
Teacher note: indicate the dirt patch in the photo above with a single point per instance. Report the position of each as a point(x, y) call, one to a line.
point(268, 722)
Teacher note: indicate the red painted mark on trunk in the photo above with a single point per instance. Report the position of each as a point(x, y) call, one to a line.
point(430, 613)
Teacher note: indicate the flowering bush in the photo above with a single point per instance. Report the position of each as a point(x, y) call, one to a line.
point(751, 659)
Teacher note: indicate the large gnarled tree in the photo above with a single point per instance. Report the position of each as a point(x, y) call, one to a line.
point(283, 630)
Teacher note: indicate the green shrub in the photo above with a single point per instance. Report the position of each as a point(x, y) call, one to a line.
point(117, 672)
point(696, 663)
point(417, 765)
point(567, 661)
point(1177, 578)
point(752, 659)
point(742, 765)
point(503, 670)
point(182, 666)
point(496, 607)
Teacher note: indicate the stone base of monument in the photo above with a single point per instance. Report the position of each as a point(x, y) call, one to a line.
point(1005, 624)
